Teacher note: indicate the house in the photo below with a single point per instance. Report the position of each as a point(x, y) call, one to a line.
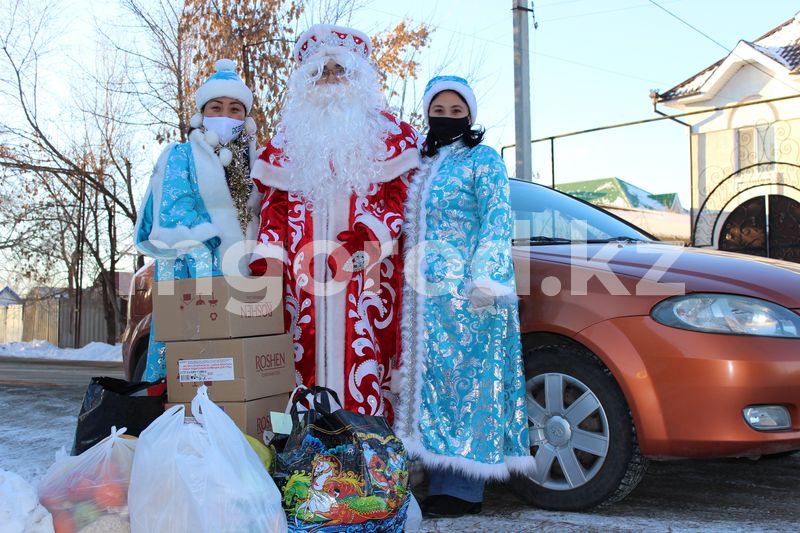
point(10, 316)
point(661, 215)
point(745, 157)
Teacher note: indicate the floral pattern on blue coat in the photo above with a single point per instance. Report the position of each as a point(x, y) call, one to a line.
point(183, 241)
point(462, 392)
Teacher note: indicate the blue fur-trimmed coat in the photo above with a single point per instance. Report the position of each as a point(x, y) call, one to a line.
point(462, 387)
point(188, 221)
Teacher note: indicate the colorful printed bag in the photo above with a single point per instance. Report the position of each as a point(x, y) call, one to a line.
point(341, 471)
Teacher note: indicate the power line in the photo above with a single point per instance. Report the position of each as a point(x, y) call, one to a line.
point(592, 13)
point(731, 52)
point(498, 43)
point(670, 13)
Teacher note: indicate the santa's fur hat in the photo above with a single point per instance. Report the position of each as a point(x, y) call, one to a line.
point(327, 39)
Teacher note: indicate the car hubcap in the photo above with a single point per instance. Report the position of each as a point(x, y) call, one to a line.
point(568, 431)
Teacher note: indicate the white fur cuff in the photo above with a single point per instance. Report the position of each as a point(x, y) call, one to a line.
point(496, 288)
point(162, 237)
point(270, 251)
point(381, 233)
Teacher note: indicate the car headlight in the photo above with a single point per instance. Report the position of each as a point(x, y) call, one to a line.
point(729, 314)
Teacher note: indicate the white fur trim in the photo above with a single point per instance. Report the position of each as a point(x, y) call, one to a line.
point(329, 218)
point(278, 178)
point(215, 87)
point(321, 38)
point(270, 251)
point(216, 196)
point(154, 189)
point(269, 175)
point(211, 138)
point(180, 236)
point(225, 156)
point(196, 121)
point(250, 126)
point(412, 360)
point(512, 464)
point(391, 168)
point(254, 202)
point(450, 85)
point(503, 294)
point(381, 233)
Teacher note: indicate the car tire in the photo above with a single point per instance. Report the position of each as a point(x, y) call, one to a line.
point(582, 435)
point(141, 363)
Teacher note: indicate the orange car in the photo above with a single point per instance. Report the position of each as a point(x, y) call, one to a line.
point(634, 350)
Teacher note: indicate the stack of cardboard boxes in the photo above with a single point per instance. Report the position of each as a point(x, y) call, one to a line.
point(228, 334)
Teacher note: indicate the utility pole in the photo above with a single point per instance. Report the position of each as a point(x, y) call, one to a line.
point(522, 91)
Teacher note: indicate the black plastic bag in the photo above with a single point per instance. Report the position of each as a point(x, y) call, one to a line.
point(115, 402)
point(341, 470)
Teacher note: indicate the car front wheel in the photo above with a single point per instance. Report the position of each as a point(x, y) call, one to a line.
point(581, 432)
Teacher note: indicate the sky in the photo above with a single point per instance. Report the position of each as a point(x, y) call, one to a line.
point(593, 63)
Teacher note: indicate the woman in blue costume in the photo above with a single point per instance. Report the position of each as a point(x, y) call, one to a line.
point(201, 209)
point(462, 409)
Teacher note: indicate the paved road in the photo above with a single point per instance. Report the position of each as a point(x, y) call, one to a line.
point(49, 372)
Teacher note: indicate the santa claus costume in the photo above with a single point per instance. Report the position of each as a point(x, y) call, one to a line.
point(335, 179)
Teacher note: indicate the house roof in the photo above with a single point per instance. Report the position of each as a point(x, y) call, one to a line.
point(614, 192)
point(9, 297)
point(41, 292)
point(781, 45)
point(669, 199)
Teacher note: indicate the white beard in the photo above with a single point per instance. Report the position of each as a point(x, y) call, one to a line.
point(333, 135)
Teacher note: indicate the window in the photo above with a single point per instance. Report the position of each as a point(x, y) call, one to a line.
point(542, 215)
point(756, 144)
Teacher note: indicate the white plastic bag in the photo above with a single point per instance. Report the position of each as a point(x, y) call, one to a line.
point(200, 477)
point(413, 515)
point(89, 492)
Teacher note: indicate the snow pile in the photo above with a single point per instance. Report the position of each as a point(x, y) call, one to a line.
point(20, 510)
point(94, 351)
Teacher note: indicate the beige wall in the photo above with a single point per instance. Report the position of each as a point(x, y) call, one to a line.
point(715, 156)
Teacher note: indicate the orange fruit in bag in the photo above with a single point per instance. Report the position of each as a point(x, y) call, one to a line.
point(110, 495)
point(63, 523)
point(80, 490)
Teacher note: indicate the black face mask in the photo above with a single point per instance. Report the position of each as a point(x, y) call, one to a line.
point(446, 130)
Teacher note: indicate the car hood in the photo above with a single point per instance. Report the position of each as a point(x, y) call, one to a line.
point(699, 269)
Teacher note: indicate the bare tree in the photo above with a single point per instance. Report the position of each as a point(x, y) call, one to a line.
point(73, 172)
point(157, 44)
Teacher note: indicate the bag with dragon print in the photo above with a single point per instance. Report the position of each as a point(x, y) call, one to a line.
point(341, 471)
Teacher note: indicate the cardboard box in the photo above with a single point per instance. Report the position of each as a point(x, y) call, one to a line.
point(251, 417)
point(218, 307)
point(235, 370)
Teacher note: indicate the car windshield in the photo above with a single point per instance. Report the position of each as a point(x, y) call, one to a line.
point(545, 216)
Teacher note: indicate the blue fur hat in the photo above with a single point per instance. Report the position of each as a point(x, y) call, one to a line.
point(449, 83)
point(224, 82)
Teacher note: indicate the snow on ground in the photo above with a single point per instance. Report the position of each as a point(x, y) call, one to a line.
point(724, 496)
point(94, 351)
point(34, 424)
point(20, 510)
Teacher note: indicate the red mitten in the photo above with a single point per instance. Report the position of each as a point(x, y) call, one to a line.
point(358, 249)
point(258, 267)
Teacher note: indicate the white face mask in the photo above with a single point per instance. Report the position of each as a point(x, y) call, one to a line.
point(227, 128)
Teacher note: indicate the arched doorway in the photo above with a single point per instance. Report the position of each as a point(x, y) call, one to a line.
point(767, 226)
